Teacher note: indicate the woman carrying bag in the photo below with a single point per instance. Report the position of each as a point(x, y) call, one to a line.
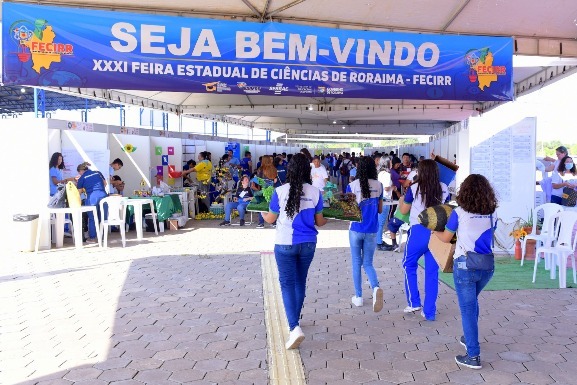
point(473, 267)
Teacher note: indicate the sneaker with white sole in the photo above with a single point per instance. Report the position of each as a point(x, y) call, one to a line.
point(357, 301)
point(469, 362)
point(410, 309)
point(296, 336)
point(260, 226)
point(377, 299)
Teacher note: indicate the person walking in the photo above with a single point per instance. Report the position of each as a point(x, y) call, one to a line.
point(426, 192)
point(363, 235)
point(384, 177)
point(296, 207)
point(473, 222)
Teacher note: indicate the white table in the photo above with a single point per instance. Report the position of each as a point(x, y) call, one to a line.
point(137, 204)
point(76, 213)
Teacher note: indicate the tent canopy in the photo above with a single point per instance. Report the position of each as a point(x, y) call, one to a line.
point(547, 32)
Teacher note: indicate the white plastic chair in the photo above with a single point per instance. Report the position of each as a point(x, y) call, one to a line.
point(549, 210)
point(53, 230)
point(562, 225)
point(116, 217)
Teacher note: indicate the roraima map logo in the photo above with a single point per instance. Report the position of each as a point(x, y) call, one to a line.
point(481, 68)
point(38, 42)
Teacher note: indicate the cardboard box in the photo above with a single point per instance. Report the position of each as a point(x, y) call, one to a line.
point(173, 224)
point(443, 253)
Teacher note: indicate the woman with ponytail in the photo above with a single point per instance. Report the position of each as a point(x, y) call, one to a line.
point(363, 235)
point(296, 207)
point(426, 192)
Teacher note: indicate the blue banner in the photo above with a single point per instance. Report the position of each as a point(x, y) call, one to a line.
point(69, 47)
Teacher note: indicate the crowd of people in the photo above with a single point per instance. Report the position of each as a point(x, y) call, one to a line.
point(390, 192)
point(377, 181)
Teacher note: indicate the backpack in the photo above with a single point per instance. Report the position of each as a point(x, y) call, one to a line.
point(58, 200)
point(345, 168)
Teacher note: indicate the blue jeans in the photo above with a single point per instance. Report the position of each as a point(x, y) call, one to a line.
point(382, 220)
point(94, 200)
point(344, 182)
point(556, 199)
point(293, 262)
point(417, 246)
point(363, 247)
point(240, 206)
point(468, 285)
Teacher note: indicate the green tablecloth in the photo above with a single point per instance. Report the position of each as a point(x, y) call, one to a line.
point(163, 206)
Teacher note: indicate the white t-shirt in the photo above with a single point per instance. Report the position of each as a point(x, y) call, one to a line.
point(558, 178)
point(417, 205)
point(385, 179)
point(318, 176)
point(473, 231)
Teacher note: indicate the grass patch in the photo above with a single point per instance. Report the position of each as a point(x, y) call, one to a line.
point(510, 275)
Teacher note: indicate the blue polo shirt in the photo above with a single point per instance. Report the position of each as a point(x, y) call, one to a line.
point(369, 206)
point(301, 228)
point(91, 181)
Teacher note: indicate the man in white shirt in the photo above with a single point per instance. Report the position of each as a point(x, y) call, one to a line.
point(319, 174)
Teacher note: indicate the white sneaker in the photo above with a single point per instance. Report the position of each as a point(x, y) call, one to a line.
point(296, 336)
point(410, 309)
point(377, 299)
point(357, 301)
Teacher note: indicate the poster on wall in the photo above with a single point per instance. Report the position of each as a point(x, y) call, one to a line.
point(74, 47)
point(99, 160)
point(506, 157)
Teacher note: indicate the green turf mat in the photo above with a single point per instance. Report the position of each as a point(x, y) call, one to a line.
point(510, 275)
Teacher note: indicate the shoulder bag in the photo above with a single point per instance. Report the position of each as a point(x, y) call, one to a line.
point(486, 262)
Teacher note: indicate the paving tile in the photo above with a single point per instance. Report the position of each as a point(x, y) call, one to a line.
point(187, 375)
point(535, 378)
point(117, 374)
point(154, 376)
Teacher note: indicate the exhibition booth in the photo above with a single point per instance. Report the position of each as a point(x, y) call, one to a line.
point(145, 153)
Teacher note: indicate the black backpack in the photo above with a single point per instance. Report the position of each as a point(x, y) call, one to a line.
point(345, 168)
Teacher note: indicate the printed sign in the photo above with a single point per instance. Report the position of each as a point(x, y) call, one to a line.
point(72, 47)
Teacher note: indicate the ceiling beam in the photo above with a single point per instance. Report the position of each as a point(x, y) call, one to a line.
point(455, 15)
point(265, 11)
point(252, 8)
point(546, 76)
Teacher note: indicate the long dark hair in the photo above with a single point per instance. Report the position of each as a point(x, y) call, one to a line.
point(429, 185)
point(54, 161)
point(561, 167)
point(307, 153)
point(366, 170)
point(298, 173)
point(476, 195)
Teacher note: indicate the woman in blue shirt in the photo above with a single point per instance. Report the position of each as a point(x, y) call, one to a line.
point(472, 221)
point(363, 235)
point(296, 207)
point(94, 184)
point(426, 192)
point(56, 166)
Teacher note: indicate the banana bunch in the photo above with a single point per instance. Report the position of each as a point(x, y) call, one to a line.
point(203, 216)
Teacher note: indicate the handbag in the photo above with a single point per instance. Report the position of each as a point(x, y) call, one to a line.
point(485, 262)
point(569, 197)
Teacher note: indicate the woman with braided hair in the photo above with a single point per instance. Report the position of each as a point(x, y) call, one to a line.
point(296, 207)
point(363, 235)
